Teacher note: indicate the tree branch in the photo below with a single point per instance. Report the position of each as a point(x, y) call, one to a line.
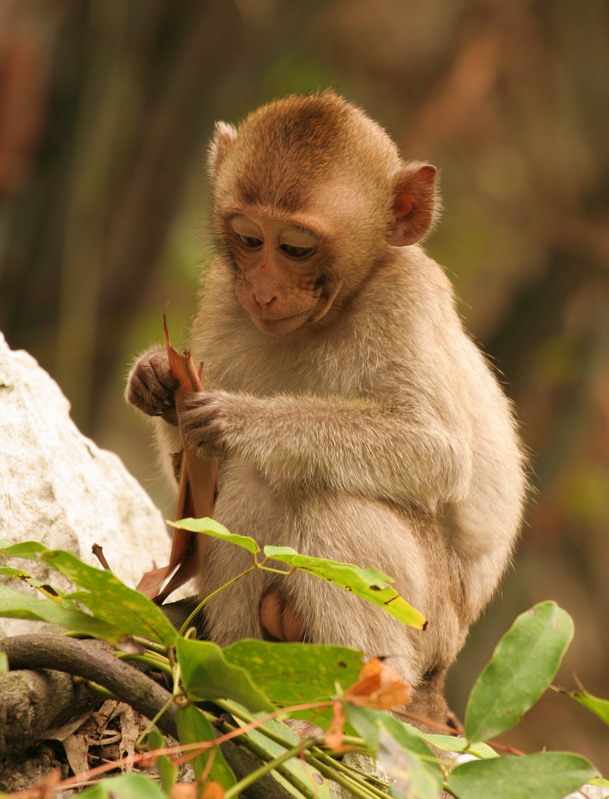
point(40, 651)
point(33, 702)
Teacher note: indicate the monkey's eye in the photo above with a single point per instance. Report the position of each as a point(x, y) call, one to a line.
point(250, 242)
point(296, 252)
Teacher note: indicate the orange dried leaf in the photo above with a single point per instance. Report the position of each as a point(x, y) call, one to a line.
point(379, 687)
point(334, 736)
point(152, 581)
point(213, 790)
point(184, 790)
point(196, 493)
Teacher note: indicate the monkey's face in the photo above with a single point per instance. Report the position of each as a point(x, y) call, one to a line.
point(279, 276)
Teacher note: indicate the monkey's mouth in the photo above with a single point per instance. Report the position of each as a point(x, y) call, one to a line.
point(271, 319)
point(279, 326)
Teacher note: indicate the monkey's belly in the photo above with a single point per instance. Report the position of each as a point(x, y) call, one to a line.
point(339, 527)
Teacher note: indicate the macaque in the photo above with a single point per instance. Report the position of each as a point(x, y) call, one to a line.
point(352, 416)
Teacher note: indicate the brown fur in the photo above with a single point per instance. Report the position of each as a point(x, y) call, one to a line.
point(352, 415)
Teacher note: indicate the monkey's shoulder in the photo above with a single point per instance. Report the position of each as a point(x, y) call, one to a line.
point(408, 299)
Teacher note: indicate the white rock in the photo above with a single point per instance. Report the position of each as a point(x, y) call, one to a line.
point(59, 488)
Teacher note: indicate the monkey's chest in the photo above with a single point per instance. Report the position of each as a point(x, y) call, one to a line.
point(313, 370)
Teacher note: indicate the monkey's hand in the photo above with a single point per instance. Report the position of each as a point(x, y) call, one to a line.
point(151, 387)
point(207, 420)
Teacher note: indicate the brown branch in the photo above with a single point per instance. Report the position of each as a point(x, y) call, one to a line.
point(86, 660)
point(43, 700)
point(34, 703)
point(98, 551)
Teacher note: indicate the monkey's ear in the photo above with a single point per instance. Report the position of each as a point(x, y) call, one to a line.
point(224, 135)
point(414, 204)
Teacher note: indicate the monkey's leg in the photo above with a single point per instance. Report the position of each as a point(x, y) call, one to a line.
point(246, 505)
point(370, 534)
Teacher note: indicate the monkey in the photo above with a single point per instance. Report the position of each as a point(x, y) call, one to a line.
point(352, 416)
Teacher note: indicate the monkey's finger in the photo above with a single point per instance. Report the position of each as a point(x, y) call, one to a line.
point(153, 371)
point(196, 419)
point(150, 401)
point(202, 434)
point(163, 375)
point(137, 395)
point(143, 392)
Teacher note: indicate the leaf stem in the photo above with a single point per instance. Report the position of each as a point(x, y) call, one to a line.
point(155, 662)
point(316, 758)
point(202, 604)
point(159, 649)
point(152, 722)
point(266, 768)
point(239, 712)
point(266, 755)
point(325, 764)
point(355, 785)
point(289, 573)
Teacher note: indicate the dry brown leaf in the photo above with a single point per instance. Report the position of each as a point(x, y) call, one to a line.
point(379, 687)
point(334, 736)
point(130, 729)
point(196, 493)
point(76, 748)
point(69, 728)
point(213, 790)
point(151, 582)
point(79, 735)
point(106, 712)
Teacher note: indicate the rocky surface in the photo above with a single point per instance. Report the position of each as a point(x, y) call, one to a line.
point(59, 488)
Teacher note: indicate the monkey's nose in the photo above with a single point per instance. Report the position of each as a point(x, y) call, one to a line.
point(265, 297)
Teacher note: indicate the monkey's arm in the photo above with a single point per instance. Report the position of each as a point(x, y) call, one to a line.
point(358, 446)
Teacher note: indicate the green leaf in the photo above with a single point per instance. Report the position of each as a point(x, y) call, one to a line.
point(4, 665)
point(369, 584)
point(168, 772)
point(211, 527)
point(24, 549)
point(103, 593)
point(193, 727)
point(364, 721)
point(544, 775)
point(16, 605)
point(601, 782)
point(127, 786)
point(401, 751)
point(291, 674)
point(598, 706)
point(522, 667)
point(368, 724)
point(410, 776)
point(208, 675)
point(453, 743)
point(24, 577)
point(297, 767)
point(19, 574)
point(418, 775)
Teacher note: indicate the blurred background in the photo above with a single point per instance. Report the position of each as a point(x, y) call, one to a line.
point(105, 110)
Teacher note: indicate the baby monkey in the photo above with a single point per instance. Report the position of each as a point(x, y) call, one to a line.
point(352, 416)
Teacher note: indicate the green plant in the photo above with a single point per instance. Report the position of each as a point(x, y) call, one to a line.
point(252, 684)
